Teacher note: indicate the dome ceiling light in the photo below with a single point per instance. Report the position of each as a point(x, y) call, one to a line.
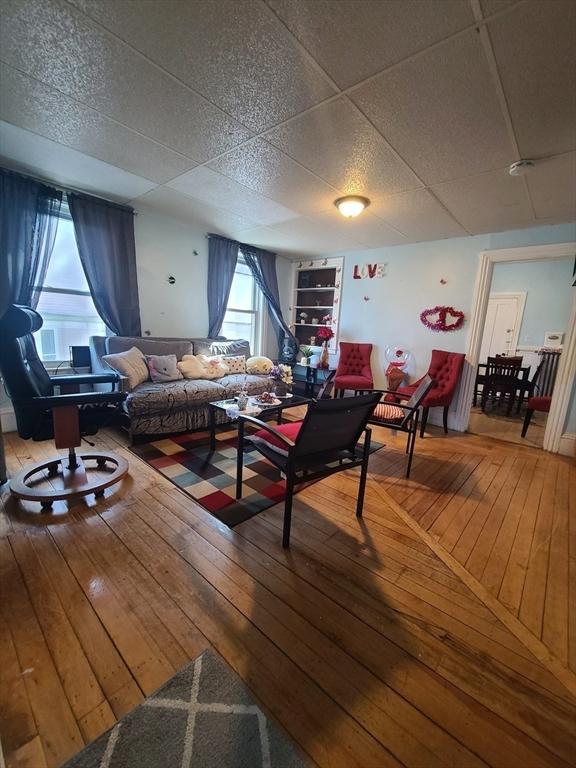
point(351, 205)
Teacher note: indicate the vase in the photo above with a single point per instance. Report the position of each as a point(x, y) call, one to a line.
point(281, 389)
point(324, 357)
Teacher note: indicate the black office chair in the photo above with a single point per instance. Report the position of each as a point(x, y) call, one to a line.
point(67, 416)
point(324, 442)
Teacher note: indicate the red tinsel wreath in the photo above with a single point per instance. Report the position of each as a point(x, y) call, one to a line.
point(443, 313)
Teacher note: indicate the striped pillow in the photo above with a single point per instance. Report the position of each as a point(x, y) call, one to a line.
point(389, 412)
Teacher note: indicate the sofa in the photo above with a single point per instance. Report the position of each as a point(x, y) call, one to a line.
point(176, 406)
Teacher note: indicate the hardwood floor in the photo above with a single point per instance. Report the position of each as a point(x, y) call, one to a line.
point(434, 632)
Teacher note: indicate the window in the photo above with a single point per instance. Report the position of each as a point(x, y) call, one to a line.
point(243, 318)
point(70, 316)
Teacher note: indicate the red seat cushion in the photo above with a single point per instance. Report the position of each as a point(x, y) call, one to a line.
point(353, 382)
point(289, 430)
point(539, 404)
point(389, 412)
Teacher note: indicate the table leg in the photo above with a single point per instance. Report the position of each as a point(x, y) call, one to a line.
point(279, 416)
point(212, 426)
point(239, 458)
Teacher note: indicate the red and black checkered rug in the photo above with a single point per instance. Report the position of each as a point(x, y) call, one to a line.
point(209, 477)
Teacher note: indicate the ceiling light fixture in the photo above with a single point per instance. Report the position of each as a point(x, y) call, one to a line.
point(351, 205)
point(521, 167)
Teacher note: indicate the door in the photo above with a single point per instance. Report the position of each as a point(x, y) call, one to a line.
point(502, 326)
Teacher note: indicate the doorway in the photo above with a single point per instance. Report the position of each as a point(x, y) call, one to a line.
point(531, 340)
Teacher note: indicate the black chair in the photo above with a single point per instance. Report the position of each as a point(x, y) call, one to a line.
point(324, 442)
point(402, 417)
point(65, 416)
point(527, 389)
point(501, 380)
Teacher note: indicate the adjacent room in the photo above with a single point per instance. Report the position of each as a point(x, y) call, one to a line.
point(288, 383)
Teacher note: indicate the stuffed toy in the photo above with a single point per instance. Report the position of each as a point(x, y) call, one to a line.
point(259, 365)
point(163, 368)
point(214, 367)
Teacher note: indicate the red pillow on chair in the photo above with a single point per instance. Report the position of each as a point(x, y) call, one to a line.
point(289, 430)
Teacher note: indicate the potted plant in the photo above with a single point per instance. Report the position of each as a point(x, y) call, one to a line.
point(303, 317)
point(281, 376)
point(306, 353)
point(324, 335)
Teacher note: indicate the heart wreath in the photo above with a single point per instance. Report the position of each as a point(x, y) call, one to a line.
point(443, 313)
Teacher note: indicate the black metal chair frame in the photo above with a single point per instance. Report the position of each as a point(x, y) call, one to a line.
point(409, 424)
point(301, 468)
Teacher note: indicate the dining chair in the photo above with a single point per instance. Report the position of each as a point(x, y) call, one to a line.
point(501, 381)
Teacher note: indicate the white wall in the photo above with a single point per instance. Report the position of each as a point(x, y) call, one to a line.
point(548, 287)
point(164, 247)
point(413, 283)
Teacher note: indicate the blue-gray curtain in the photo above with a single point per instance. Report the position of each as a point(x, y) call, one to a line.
point(222, 258)
point(29, 212)
point(262, 265)
point(105, 238)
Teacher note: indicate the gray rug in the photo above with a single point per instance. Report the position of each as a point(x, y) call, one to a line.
point(204, 717)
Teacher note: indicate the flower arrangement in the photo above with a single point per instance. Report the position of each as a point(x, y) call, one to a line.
point(281, 373)
point(327, 320)
point(325, 334)
point(303, 317)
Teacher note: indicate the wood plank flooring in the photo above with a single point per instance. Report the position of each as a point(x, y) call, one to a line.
point(362, 641)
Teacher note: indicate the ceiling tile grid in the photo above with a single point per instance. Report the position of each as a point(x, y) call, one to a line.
point(32, 105)
point(254, 116)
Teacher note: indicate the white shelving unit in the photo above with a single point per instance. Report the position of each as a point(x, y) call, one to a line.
point(317, 291)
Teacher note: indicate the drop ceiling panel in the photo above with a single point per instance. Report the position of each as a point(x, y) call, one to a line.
point(30, 153)
point(172, 203)
point(65, 50)
point(535, 49)
point(234, 53)
point(306, 236)
point(418, 215)
point(552, 185)
point(353, 40)
point(495, 6)
point(366, 229)
point(490, 202)
point(263, 168)
point(215, 189)
point(339, 144)
point(440, 112)
point(43, 110)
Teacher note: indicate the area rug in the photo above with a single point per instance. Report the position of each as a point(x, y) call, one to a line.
point(209, 477)
point(204, 717)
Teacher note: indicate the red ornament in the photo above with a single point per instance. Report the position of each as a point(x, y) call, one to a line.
point(441, 324)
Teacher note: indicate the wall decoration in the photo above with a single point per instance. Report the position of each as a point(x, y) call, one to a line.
point(366, 298)
point(443, 281)
point(442, 319)
point(362, 271)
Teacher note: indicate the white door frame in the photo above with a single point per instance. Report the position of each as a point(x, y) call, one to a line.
point(567, 366)
point(521, 296)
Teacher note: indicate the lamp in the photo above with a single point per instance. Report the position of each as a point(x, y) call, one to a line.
point(351, 205)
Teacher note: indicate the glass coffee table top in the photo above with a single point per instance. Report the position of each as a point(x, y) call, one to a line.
point(256, 407)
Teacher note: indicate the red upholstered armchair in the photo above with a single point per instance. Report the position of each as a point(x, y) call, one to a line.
point(353, 370)
point(445, 368)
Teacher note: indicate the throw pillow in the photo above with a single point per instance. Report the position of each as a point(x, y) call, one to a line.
point(130, 364)
point(259, 365)
point(214, 367)
point(236, 364)
point(163, 368)
point(191, 367)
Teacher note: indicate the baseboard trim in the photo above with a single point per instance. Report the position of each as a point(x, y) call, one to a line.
point(567, 446)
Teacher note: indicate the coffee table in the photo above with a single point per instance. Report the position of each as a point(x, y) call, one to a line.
point(265, 412)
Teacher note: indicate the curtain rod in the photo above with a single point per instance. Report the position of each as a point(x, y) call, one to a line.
point(238, 243)
point(60, 188)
